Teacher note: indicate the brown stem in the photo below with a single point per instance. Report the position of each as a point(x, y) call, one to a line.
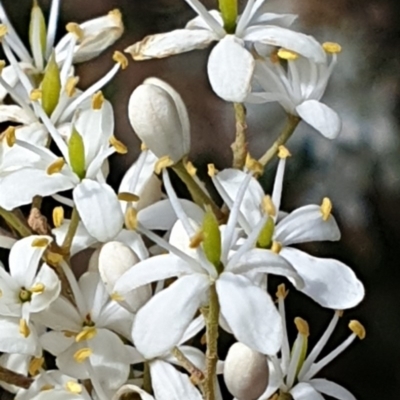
point(13, 378)
point(196, 375)
point(239, 146)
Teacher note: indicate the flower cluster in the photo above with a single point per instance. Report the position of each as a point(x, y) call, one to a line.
point(164, 270)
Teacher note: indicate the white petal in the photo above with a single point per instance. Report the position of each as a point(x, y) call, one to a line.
point(15, 362)
point(230, 69)
point(331, 389)
point(304, 391)
point(306, 225)
point(132, 389)
point(99, 209)
point(160, 324)
point(56, 342)
point(169, 384)
point(320, 117)
point(329, 282)
point(170, 43)
point(13, 113)
point(250, 313)
point(133, 240)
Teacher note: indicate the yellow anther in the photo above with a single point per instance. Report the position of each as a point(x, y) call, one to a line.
point(332, 47)
point(162, 163)
point(143, 146)
point(24, 328)
point(35, 365)
point(97, 100)
point(35, 95)
point(326, 208)
point(87, 333)
point(116, 14)
point(45, 387)
point(131, 218)
point(73, 387)
point(40, 242)
point(56, 166)
point(38, 288)
point(128, 197)
point(53, 258)
point(75, 29)
point(81, 355)
point(281, 292)
point(339, 313)
point(196, 240)
point(288, 55)
point(253, 165)
point(302, 326)
point(58, 216)
point(276, 247)
point(2, 65)
point(117, 297)
point(190, 168)
point(283, 152)
point(268, 206)
point(119, 147)
point(3, 31)
point(9, 135)
point(357, 329)
point(70, 86)
point(119, 58)
point(212, 171)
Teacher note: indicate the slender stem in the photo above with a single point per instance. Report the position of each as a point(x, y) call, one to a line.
point(212, 344)
point(13, 378)
point(147, 378)
point(73, 226)
point(196, 375)
point(287, 132)
point(239, 146)
point(197, 193)
point(16, 223)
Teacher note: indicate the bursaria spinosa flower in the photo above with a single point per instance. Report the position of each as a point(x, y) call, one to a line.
point(160, 119)
point(230, 65)
point(26, 290)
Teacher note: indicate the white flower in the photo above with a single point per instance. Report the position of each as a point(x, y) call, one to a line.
point(17, 363)
point(299, 88)
point(247, 309)
point(231, 65)
point(25, 291)
point(160, 119)
point(329, 282)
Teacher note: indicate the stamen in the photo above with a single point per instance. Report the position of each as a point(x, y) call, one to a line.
point(119, 147)
point(302, 326)
point(87, 333)
point(274, 57)
point(40, 242)
point(253, 165)
point(196, 240)
point(117, 297)
point(283, 152)
point(288, 55)
point(143, 146)
point(45, 387)
point(58, 216)
point(74, 28)
point(332, 47)
point(326, 208)
point(268, 206)
point(162, 163)
point(81, 355)
point(2, 65)
point(56, 166)
point(190, 168)
point(131, 218)
point(73, 387)
point(24, 328)
point(3, 31)
point(116, 14)
point(212, 171)
point(97, 100)
point(38, 288)
point(35, 95)
point(70, 86)
point(358, 329)
point(35, 365)
point(53, 258)
point(119, 58)
point(9, 135)
point(128, 197)
point(281, 292)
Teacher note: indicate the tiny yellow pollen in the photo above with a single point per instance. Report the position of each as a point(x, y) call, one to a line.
point(35, 95)
point(87, 333)
point(119, 58)
point(9, 135)
point(358, 329)
point(81, 355)
point(302, 326)
point(74, 28)
point(131, 218)
point(116, 14)
point(196, 240)
point(143, 146)
point(128, 197)
point(326, 208)
point(53, 258)
point(117, 297)
point(45, 387)
point(268, 206)
point(281, 292)
point(70, 86)
point(276, 247)
point(253, 165)
point(38, 288)
point(73, 387)
point(339, 313)
point(190, 168)
point(119, 147)
point(332, 47)
point(288, 55)
point(35, 365)
point(212, 171)
point(3, 31)
point(24, 328)
point(162, 163)
point(283, 152)
point(97, 100)
point(58, 216)
point(56, 166)
point(40, 242)
point(2, 65)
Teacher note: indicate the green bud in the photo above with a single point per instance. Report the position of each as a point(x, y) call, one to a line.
point(37, 29)
point(51, 86)
point(212, 240)
point(229, 11)
point(264, 240)
point(76, 151)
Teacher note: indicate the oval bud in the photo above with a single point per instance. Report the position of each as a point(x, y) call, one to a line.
point(246, 372)
point(160, 119)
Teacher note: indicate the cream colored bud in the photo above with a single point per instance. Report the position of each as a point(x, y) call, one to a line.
point(160, 119)
point(246, 372)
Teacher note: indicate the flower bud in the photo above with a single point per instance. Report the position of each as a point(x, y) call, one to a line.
point(160, 119)
point(246, 372)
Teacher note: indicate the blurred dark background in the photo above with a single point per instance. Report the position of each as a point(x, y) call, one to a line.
point(360, 171)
